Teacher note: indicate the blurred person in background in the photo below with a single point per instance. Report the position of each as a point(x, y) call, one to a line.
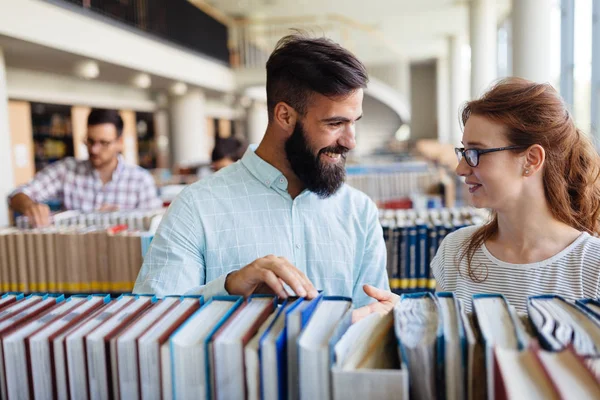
point(226, 152)
point(282, 215)
point(104, 182)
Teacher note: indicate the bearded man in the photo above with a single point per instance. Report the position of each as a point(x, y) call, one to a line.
point(282, 215)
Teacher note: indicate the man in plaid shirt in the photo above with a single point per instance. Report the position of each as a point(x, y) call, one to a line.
point(103, 182)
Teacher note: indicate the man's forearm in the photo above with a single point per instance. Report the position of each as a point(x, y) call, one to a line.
point(20, 202)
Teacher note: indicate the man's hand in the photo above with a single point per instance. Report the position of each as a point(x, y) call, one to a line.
point(384, 304)
point(38, 214)
point(267, 275)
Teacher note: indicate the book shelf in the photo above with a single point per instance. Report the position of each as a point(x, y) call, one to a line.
point(52, 133)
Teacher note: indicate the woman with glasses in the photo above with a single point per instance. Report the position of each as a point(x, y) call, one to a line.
point(524, 159)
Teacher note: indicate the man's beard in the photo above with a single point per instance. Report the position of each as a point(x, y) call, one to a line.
point(318, 177)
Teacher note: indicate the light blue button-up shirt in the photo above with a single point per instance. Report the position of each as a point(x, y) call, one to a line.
point(244, 212)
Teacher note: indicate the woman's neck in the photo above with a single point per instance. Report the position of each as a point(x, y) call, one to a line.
point(528, 232)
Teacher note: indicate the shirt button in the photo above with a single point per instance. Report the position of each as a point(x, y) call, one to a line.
point(298, 246)
point(281, 180)
point(268, 182)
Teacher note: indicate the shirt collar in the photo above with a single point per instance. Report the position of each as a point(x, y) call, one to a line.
point(116, 172)
point(262, 170)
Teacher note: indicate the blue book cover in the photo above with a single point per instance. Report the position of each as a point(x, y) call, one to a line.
point(280, 348)
point(462, 340)
point(592, 306)
point(412, 257)
point(432, 246)
point(422, 253)
point(519, 334)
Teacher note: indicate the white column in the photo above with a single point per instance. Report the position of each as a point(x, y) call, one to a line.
point(442, 88)
point(458, 87)
point(531, 39)
point(482, 36)
point(7, 180)
point(189, 140)
point(258, 119)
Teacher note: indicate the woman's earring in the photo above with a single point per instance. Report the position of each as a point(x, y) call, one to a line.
point(526, 171)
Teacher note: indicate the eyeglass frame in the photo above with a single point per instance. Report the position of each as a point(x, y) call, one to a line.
point(460, 152)
point(104, 144)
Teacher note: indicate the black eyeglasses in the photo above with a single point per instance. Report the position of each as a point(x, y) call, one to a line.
point(103, 143)
point(472, 155)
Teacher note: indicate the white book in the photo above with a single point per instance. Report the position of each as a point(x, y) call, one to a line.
point(11, 316)
point(150, 349)
point(15, 352)
point(570, 375)
point(251, 361)
point(166, 372)
point(59, 347)
point(127, 354)
point(228, 347)
point(188, 350)
point(76, 355)
point(522, 376)
point(98, 344)
point(367, 363)
point(313, 349)
point(41, 351)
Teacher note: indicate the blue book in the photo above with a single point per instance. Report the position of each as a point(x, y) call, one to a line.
point(192, 366)
point(453, 357)
point(297, 316)
point(432, 246)
point(560, 324)
point(272, 353)
point(326, 325)
point(412, 257)
point(419, 332)
point(421, 259)
point(592, 306)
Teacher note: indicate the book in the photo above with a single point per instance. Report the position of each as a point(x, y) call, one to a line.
point(367, 363)
point(326, 325)
point(419, 334)
point(454, 350)
point(155, 375)
point(228, 346)
point(190, 348)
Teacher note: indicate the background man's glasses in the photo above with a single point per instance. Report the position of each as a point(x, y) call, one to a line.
point(103, 143)
point(472, 155)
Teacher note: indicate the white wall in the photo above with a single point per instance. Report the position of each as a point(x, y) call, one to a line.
point(53, 26)
point(423, 101)
point(378, 125)
point(58, 89)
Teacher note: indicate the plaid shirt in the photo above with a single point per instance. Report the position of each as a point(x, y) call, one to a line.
point(78, 185)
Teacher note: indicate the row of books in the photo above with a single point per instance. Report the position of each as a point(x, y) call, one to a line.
point(143, 220)
point(389, 183)
point(429, 346)
point(71, 259)
point(412, 239)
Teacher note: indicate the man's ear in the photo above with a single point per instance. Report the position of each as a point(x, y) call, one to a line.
point(120, 143)
point(285, 117)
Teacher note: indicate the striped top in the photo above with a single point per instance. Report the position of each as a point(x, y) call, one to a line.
point(573, 273)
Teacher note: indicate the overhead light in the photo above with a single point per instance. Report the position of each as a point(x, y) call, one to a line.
point(87, 69)
point(178, 89)
point(142, 80)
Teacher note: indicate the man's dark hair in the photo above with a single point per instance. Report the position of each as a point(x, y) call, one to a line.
point(228, 147)
point(300, 66)
point(100, 116)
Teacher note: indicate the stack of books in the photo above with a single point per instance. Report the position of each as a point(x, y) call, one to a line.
point(178, 347)
point(412, 239)
point(143, 220)
point(71, 259)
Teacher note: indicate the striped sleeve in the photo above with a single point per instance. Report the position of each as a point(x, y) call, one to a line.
point(437, 266)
